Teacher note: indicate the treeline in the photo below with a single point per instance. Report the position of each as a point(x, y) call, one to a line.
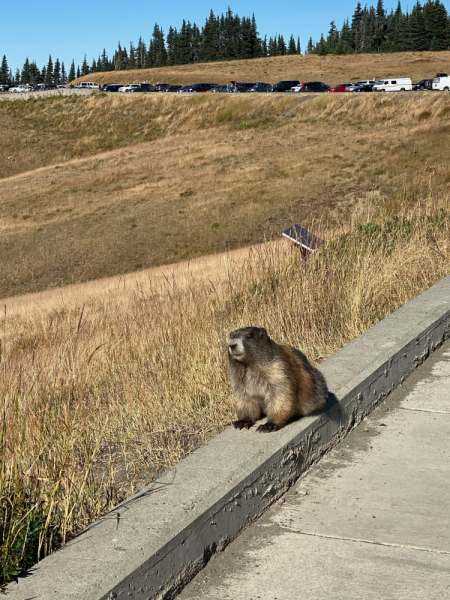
point(230, 37)
point(372, 29)
point(224, 37)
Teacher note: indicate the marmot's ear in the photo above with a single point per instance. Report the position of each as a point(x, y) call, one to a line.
point(263, 333)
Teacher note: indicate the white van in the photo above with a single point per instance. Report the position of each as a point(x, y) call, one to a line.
point(441, 83)
point(88, 85)
point(400, 84)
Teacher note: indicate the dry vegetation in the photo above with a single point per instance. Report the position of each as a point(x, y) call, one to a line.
point(108, 185)
point(106, 384)
point(104, 389)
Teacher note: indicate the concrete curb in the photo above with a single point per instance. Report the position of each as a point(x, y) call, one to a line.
point(173, 526)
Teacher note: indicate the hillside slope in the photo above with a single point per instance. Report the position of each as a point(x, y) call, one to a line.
point(105, 185)
point(332, 69)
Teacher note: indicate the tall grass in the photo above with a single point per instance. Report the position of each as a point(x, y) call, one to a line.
point(101, 395)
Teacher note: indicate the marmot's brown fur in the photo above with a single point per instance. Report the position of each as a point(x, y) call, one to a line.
point(271, 380)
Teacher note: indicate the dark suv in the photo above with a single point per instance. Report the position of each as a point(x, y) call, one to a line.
point(111, 87)
point(197, 87)
point(260, 86)
point(314, 86)
point(240, 88)
point(285, 86)
point(424, 84)
point(143, 87)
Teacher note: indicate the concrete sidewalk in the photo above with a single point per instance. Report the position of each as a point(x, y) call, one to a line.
point(370, 521)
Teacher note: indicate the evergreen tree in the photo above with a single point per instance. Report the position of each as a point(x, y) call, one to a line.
point(272, 47)
point(256, 40)
point(310, 46)
point(78, 72)
point(141, 55)
point(4, 71)
point(210, 39)
point(380, 28)
point(158, 51)
point(346, 37)
point(118, 65)
point(35, 74)
point(435, 17)
point(195, 44)
point(131, 57)
point(84, 67)
point(25, 74)
point(299, 48)
point(418, 32)
point(63, 73)
point(172, 46)
point(281, 46)
point(49, 71)
point(292, 49)
point(183, 48)
point(57, 72)
point(321, 47)
point(264, 47)
point(104, 61)
point(72, 71)
point(356, 28)
point(332, 39)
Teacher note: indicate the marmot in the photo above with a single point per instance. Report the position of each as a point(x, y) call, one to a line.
point(269, 379)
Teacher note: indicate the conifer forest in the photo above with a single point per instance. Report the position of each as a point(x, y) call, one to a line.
point(231, 37)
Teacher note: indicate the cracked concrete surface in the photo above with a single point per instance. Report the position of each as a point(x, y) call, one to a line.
point(370, 520)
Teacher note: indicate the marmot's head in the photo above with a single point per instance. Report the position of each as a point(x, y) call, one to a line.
point(248, 344)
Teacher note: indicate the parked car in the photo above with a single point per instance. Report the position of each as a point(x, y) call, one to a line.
point(240, 88)
point(21, 88)
point(41, 87)
point(87, 85)
point(352, 87)
point(112, 87)
point(218, 89)
point(130, 87)
point(4, 87)
point(311, 86)
point(399, 84)
point(260, 86)
point(161, 87)
point(173, 88)
point(423, 84)
point(198, 87)
point(341, 87)
point(285, 86)
point(61, 87)
point(368, 87)
point(142, 87)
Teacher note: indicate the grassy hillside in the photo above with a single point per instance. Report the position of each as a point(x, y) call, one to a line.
point(106, 384)
point(331, 69)
point(102, 185)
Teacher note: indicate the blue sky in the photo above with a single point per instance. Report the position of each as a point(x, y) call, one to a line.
point(70, 28)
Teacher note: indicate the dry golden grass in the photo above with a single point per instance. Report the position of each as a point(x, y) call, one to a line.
point(133, 182)
point(330, 69)
point(107, 384)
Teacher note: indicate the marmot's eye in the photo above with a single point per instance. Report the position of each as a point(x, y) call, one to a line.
point(249, 335)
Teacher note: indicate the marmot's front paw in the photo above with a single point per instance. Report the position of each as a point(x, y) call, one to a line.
point(268, 427)
point(243, 423)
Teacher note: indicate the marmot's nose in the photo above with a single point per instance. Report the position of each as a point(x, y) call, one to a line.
point(232, 344)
